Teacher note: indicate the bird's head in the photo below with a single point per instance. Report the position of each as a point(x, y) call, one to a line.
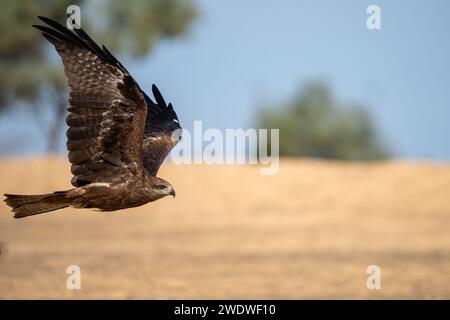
point(162, 188)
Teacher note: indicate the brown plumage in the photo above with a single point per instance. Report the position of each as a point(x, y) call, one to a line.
point(117, 137)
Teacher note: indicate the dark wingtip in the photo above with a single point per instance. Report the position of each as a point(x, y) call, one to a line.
point(45, 19)
point(42, 28)
point(158, 96)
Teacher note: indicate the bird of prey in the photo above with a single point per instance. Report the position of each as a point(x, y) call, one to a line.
point(117, 137)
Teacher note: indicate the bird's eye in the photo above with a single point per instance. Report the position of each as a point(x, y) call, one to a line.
point(179, 139)
point(161, 187)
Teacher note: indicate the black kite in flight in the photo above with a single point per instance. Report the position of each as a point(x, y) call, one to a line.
point(117, 137)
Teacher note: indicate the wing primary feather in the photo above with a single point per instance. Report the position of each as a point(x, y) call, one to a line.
point(63, 30)
point(50, 38)
point(53, 33)
point(91, 44)
point(158, 96)
point(80, 38)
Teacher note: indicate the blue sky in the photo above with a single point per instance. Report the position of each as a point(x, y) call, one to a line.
point(241, 55)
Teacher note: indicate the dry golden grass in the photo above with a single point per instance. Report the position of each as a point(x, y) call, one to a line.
point(308, 232)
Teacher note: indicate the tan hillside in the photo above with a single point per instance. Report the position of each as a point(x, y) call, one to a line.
point(309, 232)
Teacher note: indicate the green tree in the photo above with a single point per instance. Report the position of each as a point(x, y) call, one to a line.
point(31, 77)
point(313, 124)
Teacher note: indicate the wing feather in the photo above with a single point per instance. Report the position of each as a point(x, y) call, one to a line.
point(162, 132)
point(107, 109)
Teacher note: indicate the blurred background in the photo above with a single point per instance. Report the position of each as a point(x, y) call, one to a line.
point(364, 179)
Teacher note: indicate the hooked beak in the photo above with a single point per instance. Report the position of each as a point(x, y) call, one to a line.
point(172, 193)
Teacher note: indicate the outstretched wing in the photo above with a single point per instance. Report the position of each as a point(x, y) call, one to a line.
point(162, 132)
point(107, 109)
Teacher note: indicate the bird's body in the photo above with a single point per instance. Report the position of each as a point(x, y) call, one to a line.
point(117, 137)
point(111, 197)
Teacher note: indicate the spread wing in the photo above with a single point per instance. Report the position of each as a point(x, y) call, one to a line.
point(107, 109)
point(162, 132)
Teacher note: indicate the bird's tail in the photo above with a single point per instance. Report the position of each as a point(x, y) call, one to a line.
point(28, 205)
